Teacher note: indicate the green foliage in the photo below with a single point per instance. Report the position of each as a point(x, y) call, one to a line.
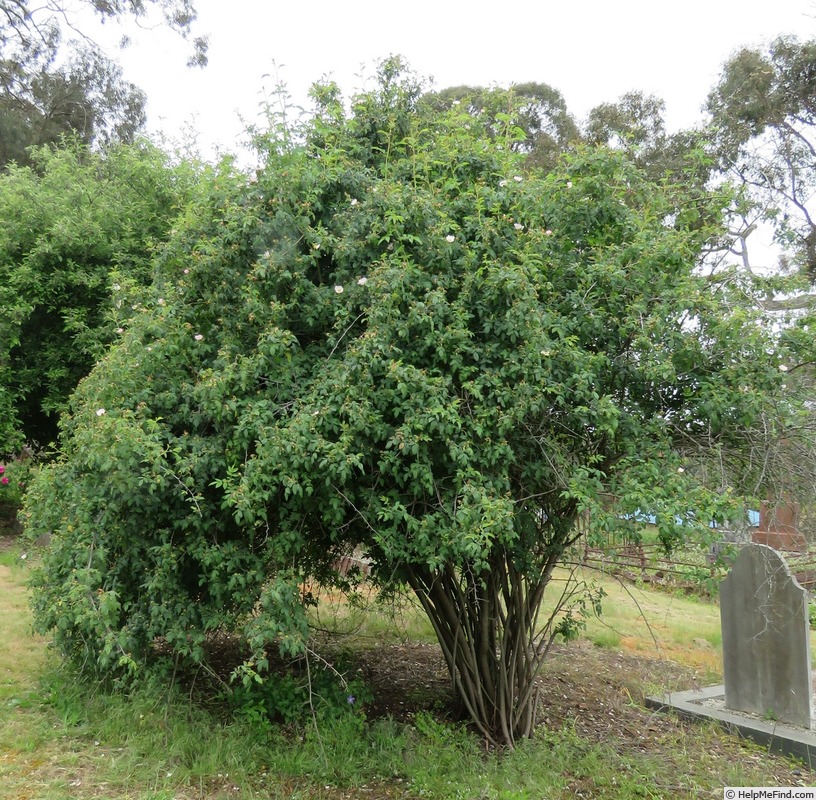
point(402, 338)
point(302, 693)
point(635, 121)
point(635, 124)
point(586, 604)
point(77, 233)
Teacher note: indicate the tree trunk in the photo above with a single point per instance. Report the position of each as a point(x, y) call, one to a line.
point(487, 624)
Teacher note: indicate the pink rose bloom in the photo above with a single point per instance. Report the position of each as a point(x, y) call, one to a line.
point(4, 480)
point(2, 469)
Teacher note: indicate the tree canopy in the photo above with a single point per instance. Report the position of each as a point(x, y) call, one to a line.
point(401, 337)
point(764, 124)
point(538, 110)
point(55, 80)
point(30, 33)
point(87, 99)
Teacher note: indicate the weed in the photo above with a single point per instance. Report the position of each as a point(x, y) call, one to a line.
point(303, 691)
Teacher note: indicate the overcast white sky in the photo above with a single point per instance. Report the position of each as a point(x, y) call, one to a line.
point(591, 50)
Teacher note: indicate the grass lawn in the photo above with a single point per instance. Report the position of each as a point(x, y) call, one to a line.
point(60, 739)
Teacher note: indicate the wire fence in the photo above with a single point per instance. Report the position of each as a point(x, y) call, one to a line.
point(691, 570)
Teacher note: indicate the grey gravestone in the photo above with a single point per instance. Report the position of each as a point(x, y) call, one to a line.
point(766, 638)
point(734, 535)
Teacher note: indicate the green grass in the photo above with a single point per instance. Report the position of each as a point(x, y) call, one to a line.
point(13, 558)
point(606, 637)
point(61, 738)
point(146, 747)
point(652, 623)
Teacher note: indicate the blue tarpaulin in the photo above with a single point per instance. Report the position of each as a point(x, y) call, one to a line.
point(651, 519)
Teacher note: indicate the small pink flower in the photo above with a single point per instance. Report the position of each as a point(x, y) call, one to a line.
point(4, 480)
point(2, 469)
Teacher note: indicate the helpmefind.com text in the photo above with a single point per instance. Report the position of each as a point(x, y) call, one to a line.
point(768, 793)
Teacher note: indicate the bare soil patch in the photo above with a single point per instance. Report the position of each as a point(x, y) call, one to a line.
point(597, 691)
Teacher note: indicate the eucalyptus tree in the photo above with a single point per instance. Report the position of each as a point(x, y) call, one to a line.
point(764, 122)
point(55, 80)
point(538, 109)
point(87, 98)
point(31, 33)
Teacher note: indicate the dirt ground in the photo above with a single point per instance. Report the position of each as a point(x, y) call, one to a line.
point(597, 690)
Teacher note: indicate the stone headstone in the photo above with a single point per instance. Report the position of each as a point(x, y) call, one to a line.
point(766, 639)
point(734, 536)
